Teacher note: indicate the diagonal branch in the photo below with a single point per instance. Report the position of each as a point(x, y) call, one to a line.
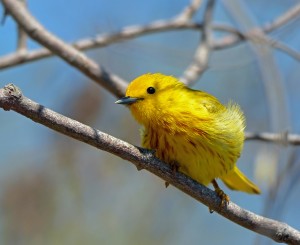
point(255, 35)
point(201, 58)
point(11, 98)
point(188, 12)
point(286, 17)
point(231, 40)
point(71, 55)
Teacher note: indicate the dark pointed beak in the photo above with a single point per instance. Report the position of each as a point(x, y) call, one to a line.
point(127, 100)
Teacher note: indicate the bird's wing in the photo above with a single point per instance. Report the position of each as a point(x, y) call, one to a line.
point(210, 103)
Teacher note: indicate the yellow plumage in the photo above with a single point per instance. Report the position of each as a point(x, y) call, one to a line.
point(190, 129)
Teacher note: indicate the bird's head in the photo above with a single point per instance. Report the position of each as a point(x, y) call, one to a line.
point(150, 95)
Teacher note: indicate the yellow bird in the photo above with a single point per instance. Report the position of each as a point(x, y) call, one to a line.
point(190, 130)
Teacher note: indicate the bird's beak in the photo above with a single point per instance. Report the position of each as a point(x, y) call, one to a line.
point(127, 100)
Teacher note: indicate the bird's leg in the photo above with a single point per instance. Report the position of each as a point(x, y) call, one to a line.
point(175, 167)
point(224, 198)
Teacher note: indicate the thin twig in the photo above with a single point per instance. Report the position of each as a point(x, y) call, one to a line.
point(255, 35)
point(201, 58)
point(189, 11)
point(284, 48)
point(231, 40)
point(22, 40)
point(11, 98)
point(36, 31)
point(22, 36)
point(131, 32)
point(292, 13)
point(284, 138)
point(103, 40)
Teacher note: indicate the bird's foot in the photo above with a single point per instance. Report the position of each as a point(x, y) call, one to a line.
point(223, 196)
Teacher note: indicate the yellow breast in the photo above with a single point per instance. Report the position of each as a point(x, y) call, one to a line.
point(198, 155)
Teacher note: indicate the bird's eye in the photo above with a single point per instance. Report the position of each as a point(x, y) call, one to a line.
point(150, 90)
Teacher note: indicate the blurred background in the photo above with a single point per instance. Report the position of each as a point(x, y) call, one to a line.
point(55, 190)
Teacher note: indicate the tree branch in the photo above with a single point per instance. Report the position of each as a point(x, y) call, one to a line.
point(201, 58)
point(71, 55)
point(22, 36)
point(11, 98)
point(255, 35)
point(131, 32)
point(188, 12)
point(232, 40)
point(292, 13)
point(100, 41)
point(284, 138)
point(158, 26)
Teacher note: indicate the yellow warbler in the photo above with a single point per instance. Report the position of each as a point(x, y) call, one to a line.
point(190, 130)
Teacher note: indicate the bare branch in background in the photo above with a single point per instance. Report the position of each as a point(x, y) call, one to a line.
point(189, 11)
point(131, 32)
point(36, 31)
point(283, 138)
point(22, 36)
point(292, 13)
point(22, 40)
point(200, 62)
point(11, 98)
point(257, 36)
point(232, 40)
point(100, 41)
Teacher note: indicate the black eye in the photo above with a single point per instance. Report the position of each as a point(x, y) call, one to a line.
point(150, 90)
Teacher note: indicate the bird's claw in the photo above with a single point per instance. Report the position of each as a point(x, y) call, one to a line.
point(224, 197)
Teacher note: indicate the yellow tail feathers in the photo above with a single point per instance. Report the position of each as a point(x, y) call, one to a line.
point(236, 180)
